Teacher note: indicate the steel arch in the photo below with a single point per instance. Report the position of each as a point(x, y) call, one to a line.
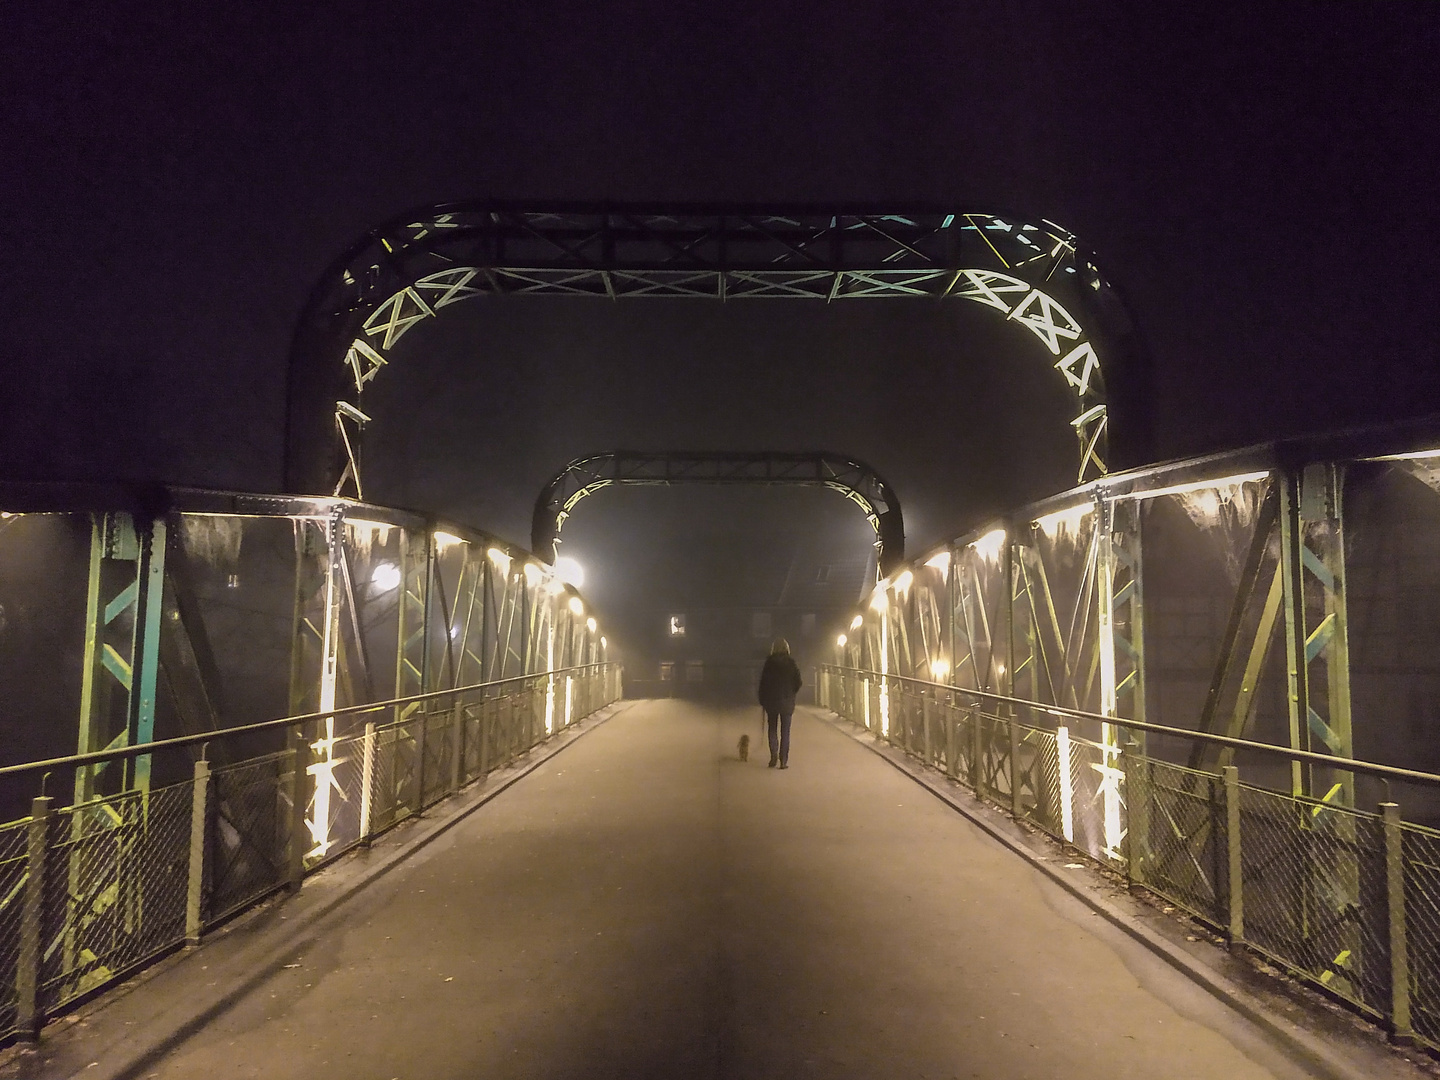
point(402, 273)
point(852, 478)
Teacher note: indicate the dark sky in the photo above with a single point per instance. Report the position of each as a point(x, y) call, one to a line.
point(1259, 181)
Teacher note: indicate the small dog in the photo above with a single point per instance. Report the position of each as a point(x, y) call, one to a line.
point(744, 748)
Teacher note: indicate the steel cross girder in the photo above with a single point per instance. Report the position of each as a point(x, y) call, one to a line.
point(408, 270)
point(852, 478)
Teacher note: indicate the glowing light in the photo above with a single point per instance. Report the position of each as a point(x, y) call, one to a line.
point(591, 625)
point(990, 545)
point(903, 582)
point(577, 606)
point(533, 574)
point(569, 571)
point(1414, 455)
point(1067, 809)
point(445, 540)
point(1200, 485)
point(878, 600)
point(500, 558)
point(939, 669)
point(604, 644)
point(840, 641)
point(939, 561)
point(385, 576)
point(367, 525)
point(1061, 521)
point(857, 622)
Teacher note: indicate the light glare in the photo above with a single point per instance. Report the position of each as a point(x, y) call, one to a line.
point(385, 576)
point(569, 571)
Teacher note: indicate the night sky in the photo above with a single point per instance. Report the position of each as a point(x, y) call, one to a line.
point(1259, 182)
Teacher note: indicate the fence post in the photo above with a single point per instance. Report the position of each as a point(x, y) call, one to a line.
point(483, 733)
point(29, 1017)
point(457, 746)
point(1400, 1029)
point(421, 722)
point(952, 742)
point(367, 780)
point(1016, 808)
point(299, 834)
point(199, 833)
point(1135, 816)
point(977, 752)
point(1235, 907)
point(925, 719)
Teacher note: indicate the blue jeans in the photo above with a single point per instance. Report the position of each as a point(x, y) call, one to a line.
point(779, 743)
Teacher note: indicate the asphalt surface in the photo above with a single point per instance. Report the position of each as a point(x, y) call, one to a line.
point(646, 905)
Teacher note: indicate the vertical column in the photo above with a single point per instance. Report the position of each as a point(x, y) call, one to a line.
point(1235, 877)
point(199, 834)
point(29, 1016)
point(1400, 1029)
point(122, 645)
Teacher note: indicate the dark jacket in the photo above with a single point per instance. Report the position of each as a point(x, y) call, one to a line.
point(779, 681)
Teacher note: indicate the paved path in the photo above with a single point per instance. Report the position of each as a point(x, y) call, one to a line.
point(644, 905)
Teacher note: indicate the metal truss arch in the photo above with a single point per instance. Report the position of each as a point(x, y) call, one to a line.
point(405, 272)
point(848, 476)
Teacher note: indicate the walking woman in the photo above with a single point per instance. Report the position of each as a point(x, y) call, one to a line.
point(779, 682)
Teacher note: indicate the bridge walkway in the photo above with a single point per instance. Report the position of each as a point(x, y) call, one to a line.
point(645, 905)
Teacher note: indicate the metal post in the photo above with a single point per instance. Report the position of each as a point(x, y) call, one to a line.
point(1135, 838)
point(299, 834)
point(1015, 804)
point(977, 752)
point(29, 1017)
point(1400, 1030)
point(420, 721)
point(457, 746)
point(482, 732)
point(199, 832)
point(952, 741)
point(367, 780)
point(1234, 868)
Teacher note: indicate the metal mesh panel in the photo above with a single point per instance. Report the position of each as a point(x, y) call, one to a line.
point(118, 876)
point(1422, 925)
point(346, 796)
point(250, 826)
point(13, 875)
point(1314, 887)
point(435, 777)
point(1176, 826)
point(1042, 767)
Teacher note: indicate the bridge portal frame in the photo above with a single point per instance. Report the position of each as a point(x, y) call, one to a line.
point(405, 272)
point(852, 478)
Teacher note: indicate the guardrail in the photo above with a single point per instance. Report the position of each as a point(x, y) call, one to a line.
point(92, 892)
point(1346, 899)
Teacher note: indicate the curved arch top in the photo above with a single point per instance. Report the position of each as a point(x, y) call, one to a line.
point(405, 272)
point(852, 478)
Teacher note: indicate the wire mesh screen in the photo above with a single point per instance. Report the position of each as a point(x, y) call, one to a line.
point(250, 831)
point(1314, 888)
point(1421, 848)
point(13, 876)
point(119, 869)
point(1176, 831)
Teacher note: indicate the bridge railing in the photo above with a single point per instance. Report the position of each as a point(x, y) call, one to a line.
point(1345, 898)
point(89, 893)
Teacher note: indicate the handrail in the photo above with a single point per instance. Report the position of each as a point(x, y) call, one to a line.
point(1342, 764)
point(142, 749)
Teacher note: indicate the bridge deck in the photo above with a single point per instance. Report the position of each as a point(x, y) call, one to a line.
point(646, 905)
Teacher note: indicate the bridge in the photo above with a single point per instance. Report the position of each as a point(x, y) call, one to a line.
point(1194, 690)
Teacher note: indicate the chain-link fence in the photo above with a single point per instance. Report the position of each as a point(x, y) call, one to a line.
point(1346, 899)
point(90, 892)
